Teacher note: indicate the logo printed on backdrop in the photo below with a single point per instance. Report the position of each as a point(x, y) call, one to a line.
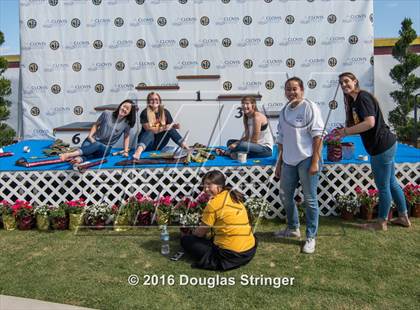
point(78, 110)
point(99, 88)
point(228, 20)
point(334, 40)
point(79, 88)
point(164, 43)
point(371, 17)
point(225, 1)
point(122, 87)
point(354, 18)
point(141, 43)
point(141, 65)
point(31, 23)
point(269, 41)
point(161, 21)
point(247, 20)
point(270, 62)
point(353, 39)
point(350, 61)
point(57, 67)
point(290, 19)
point(312, 19)
point(249, 42)
point(313, 62)
point(372, 61)
point(100, 66)
point(311, 41)
point(35, 89)
point(54, 45)
point(207, 43)
point(55, 89)
point(250, 85)
point(226, 42)
point(312, 84)
point(99, 22)
point(119, 66)
point(248, 63)
point(182, 1)
point(269, 84)
point(330, 84)
point(270, 20)
point(332, 62)
point(75, 22)
point(53, 2)
point(332, 18)
point(229, 63)
point(96, 2)
point(33, 67)
point(186, 64)
point(227, 85)
point(184, 21)
point(267, 1)
point(50, 23)
point(163, 65)
point(97, 44)
point(76, 66)
point(35, 111)
point(204, 20)
point(119, 21)
point(141, 21)
point(183, 42)
point(140, 2)
point(205, 64)
point(333, 104)
point(292, 41)
point(290, 62)
point(57, 110)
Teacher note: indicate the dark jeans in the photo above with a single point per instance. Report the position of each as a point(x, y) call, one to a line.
point(91, 150)
point(152, 142)
point(252, 149)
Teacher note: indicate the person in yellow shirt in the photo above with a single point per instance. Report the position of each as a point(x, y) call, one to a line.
point(234, 244)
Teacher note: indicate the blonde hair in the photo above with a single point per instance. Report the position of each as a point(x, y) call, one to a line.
point(254, 106)
point(151, 116)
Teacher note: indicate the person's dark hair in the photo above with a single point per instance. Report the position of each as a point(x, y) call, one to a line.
point(131, 117)
point(218, 178)
point(296, 79)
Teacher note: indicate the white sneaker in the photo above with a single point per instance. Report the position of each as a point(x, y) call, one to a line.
point(287, 233)
point(309, 246)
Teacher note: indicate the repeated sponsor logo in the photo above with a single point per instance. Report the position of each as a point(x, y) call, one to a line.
point(205, 64)
point(99, 22)
point(354, 18)
point(96, 2)
point(35, 111)
point(228, 20)
point(229, 63)
point(332, 61)
point(100, 66)
point(312, 83)
point(183, 1)
point(353, 39)
point(98, 44)
point(26, 3)
point(55, 23)
point(55, 89)
point(163, 43)
point(227, 85)
point(269, 41)
point(140, 2)
point(249, 42)
point(270, 63)
point(332, 18)
point(272, 19)
point(186, 64)
point(183, 43)
point(313, 62)
point(54, 45)
point(207, 43)
point(292, 41)
point(334, 40)
point(143, 65)
point(371, 17)
point(115, 2)
point(333, 104)
point(226, 42)
point(250, 85)
point(225, 1)
point(119, 65)
point(311, 41)
point(57, 67)
point(78, 110)
point(186, 20)
point(35, 90)
point(163, 65)
point(269, 84)
point(31, 23)
point(290, 19)
point(77, 45)
point(76, 66)
point(351, 61)
point(119, 22)
point(372, 60)
point(141, 43)
point(161, 21)
point(142, 21)
point(40, 132)
point(53, 2)
point(75, 22)
point(248, 63)
point(58, 111)
point(122, 87)
point(247, 20)
point(290, 62)
point(79, 88)
point(121, 44)
point(34, 45)
point(33, 67)
point(330, 84)
point(312, 19)
point(99, 88)
point(204, 20)
point(73, 2)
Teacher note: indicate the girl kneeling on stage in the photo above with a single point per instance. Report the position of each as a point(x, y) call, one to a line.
point(157, 127)
point(257, 140)
point(105, 133)
point(234, 244)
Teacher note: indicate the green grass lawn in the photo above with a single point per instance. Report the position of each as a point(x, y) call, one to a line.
point(351, 269)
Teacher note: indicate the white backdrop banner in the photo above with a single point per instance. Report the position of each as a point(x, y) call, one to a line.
point(80, 54)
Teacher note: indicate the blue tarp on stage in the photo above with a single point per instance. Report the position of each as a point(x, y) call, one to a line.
point(405, 154)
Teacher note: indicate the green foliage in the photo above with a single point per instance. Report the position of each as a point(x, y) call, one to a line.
point(402, 74)
point(6, 132)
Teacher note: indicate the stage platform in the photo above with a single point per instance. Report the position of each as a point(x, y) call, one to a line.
point(108, 183)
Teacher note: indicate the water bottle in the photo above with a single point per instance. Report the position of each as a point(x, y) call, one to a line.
point(164, 237)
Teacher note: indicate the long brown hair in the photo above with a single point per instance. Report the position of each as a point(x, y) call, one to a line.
point(151, 116)
point(218, 178)
point(131, 117)
point(254, 106)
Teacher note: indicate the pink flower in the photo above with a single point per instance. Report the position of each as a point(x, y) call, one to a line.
point(358, 190)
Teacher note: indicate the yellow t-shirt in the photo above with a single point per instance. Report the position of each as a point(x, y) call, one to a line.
point(229, 221)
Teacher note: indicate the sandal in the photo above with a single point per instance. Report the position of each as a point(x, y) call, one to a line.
point(76, 160)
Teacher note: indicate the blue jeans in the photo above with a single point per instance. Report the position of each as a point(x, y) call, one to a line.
point(384, 174)
point(90, 150)
point(152, 142)
point(290, 175)
point(252, 149)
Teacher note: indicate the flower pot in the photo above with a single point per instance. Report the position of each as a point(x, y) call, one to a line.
point(162, 217)
point(75, 221)
point(59, 223)
point(121, 222)
point(415, 210)
point(348, 216)
point(334, 152)
point(9, 222)
point(42, 222)
point(366, 213)
point(25, 222)
point(144, 218)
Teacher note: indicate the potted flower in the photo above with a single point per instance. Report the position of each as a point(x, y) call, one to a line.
point(58, 217)
point(24, 214)
point(348, 206)
point(334, 149)
point(163, 210)
point(368, 201)
point(121, 221)
point(412, 196)
point(75, 210)
point(9, 220)
point(256, 208)
point(145, 208)
point(96, 216)
point(42, 217)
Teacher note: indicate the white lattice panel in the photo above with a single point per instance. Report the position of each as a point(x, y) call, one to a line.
point(112, 186)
